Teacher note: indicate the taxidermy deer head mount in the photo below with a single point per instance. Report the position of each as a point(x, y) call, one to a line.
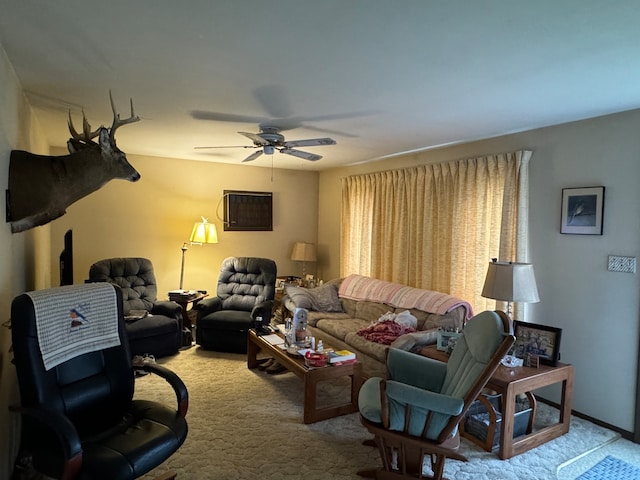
point(41, 187)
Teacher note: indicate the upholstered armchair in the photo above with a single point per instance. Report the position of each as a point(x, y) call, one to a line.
point(415, 413)
point(160, 332)
point(76, 384)
point(245, 291)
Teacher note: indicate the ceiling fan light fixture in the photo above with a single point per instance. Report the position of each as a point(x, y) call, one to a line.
point(269, 149)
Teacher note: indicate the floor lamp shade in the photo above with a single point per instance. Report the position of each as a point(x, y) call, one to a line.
point(202, 232)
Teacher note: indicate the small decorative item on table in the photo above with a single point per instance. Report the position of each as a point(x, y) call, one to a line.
point(447, 339)
point(339, 357)
point(315, 359)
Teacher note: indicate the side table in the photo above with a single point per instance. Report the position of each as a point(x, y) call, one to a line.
point(185, 303)
point(512, 381)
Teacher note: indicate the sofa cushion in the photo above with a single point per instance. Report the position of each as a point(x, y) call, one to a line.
point(339, 328)
point(349, 306)
point(373, 349)
point(371, 311)
point(320, 299)
point(314, 317)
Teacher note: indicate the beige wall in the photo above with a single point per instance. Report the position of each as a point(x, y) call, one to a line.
point(18, 130)
point(598, 310)
point(153, 217)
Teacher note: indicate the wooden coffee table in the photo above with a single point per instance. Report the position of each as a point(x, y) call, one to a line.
point(310, 376)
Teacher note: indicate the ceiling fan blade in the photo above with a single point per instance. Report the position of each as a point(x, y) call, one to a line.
point(229, 146)
point(311, 142)
point(257, 139)
point(299, 153)
point(227, 117)
point(253, 156)
point(274, 100)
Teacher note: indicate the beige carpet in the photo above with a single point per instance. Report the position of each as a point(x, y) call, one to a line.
point(247, 424)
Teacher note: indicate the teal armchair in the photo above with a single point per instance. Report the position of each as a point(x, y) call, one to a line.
point(415, 413)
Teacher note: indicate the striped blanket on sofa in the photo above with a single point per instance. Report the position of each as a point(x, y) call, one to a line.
point(359, 287)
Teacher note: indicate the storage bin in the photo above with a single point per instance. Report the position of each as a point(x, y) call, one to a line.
point(478, 423)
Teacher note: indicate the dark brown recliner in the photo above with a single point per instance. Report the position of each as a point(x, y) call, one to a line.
point(158, 334)
point(246, 288)
point(76, 384)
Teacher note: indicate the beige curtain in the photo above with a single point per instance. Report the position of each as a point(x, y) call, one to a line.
point(437, 226)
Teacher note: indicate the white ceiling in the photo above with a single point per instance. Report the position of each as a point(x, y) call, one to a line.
point(379, 76)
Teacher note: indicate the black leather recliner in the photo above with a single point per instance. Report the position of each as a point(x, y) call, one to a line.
point(160, 333)
point(80, 420)
point(246, 289)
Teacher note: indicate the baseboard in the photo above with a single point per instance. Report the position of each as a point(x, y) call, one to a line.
point(623, 433)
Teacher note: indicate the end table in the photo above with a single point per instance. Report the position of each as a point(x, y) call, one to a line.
point(185, 303)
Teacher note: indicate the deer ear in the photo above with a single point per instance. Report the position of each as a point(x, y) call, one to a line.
point(105, 140)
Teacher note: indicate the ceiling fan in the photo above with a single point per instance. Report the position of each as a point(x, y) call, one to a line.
point(270, 139)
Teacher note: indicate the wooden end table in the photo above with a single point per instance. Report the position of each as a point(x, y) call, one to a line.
point(310, 376)
point(512, 381)
point(184, 303)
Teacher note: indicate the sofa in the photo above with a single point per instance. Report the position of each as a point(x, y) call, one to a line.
point(341, 308)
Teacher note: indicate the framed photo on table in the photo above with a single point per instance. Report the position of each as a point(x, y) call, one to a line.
point(582, 211)
point(539, 340)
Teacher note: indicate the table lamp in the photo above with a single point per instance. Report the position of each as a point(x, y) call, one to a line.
point(510, 282)
point(303, 252)
point(202, 232)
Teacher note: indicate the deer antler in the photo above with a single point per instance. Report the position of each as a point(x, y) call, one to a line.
point(116, 117)
point(87, 134)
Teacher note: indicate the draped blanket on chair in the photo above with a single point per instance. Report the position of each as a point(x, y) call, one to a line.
point(88, 313)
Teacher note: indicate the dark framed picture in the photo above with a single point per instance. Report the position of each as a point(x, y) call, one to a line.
point(582, 210)
point(539, 340)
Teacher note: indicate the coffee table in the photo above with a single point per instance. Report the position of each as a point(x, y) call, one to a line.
point(310, 376)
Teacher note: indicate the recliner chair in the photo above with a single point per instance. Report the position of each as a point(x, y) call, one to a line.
point(416, 412)
point(76, 384)
point(158, 334)
point(246, 289)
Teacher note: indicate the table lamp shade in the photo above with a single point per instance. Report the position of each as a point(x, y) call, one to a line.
point(303, 252)
point(511, 282)
point(204, 232)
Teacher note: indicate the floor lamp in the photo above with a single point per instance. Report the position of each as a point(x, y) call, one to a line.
point(202, 232)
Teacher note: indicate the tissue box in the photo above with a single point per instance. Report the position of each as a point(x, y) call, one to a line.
point(478, 421)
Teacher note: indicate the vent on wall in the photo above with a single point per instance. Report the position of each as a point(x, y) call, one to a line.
point(248, 211)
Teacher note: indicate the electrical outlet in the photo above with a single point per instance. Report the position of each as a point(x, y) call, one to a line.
point(622, 264)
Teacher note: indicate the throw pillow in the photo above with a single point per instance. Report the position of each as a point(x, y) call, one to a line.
point(319, 299)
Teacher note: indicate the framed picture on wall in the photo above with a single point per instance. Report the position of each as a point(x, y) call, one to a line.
point(582, 210)
point(538, 340)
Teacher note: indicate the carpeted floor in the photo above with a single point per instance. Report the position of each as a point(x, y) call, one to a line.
point(248, 424)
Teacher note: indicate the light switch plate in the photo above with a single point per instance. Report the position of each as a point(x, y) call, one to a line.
point(622, 264)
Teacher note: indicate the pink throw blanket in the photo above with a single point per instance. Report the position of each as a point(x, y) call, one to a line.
point(359, 287)
point(384, 332)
